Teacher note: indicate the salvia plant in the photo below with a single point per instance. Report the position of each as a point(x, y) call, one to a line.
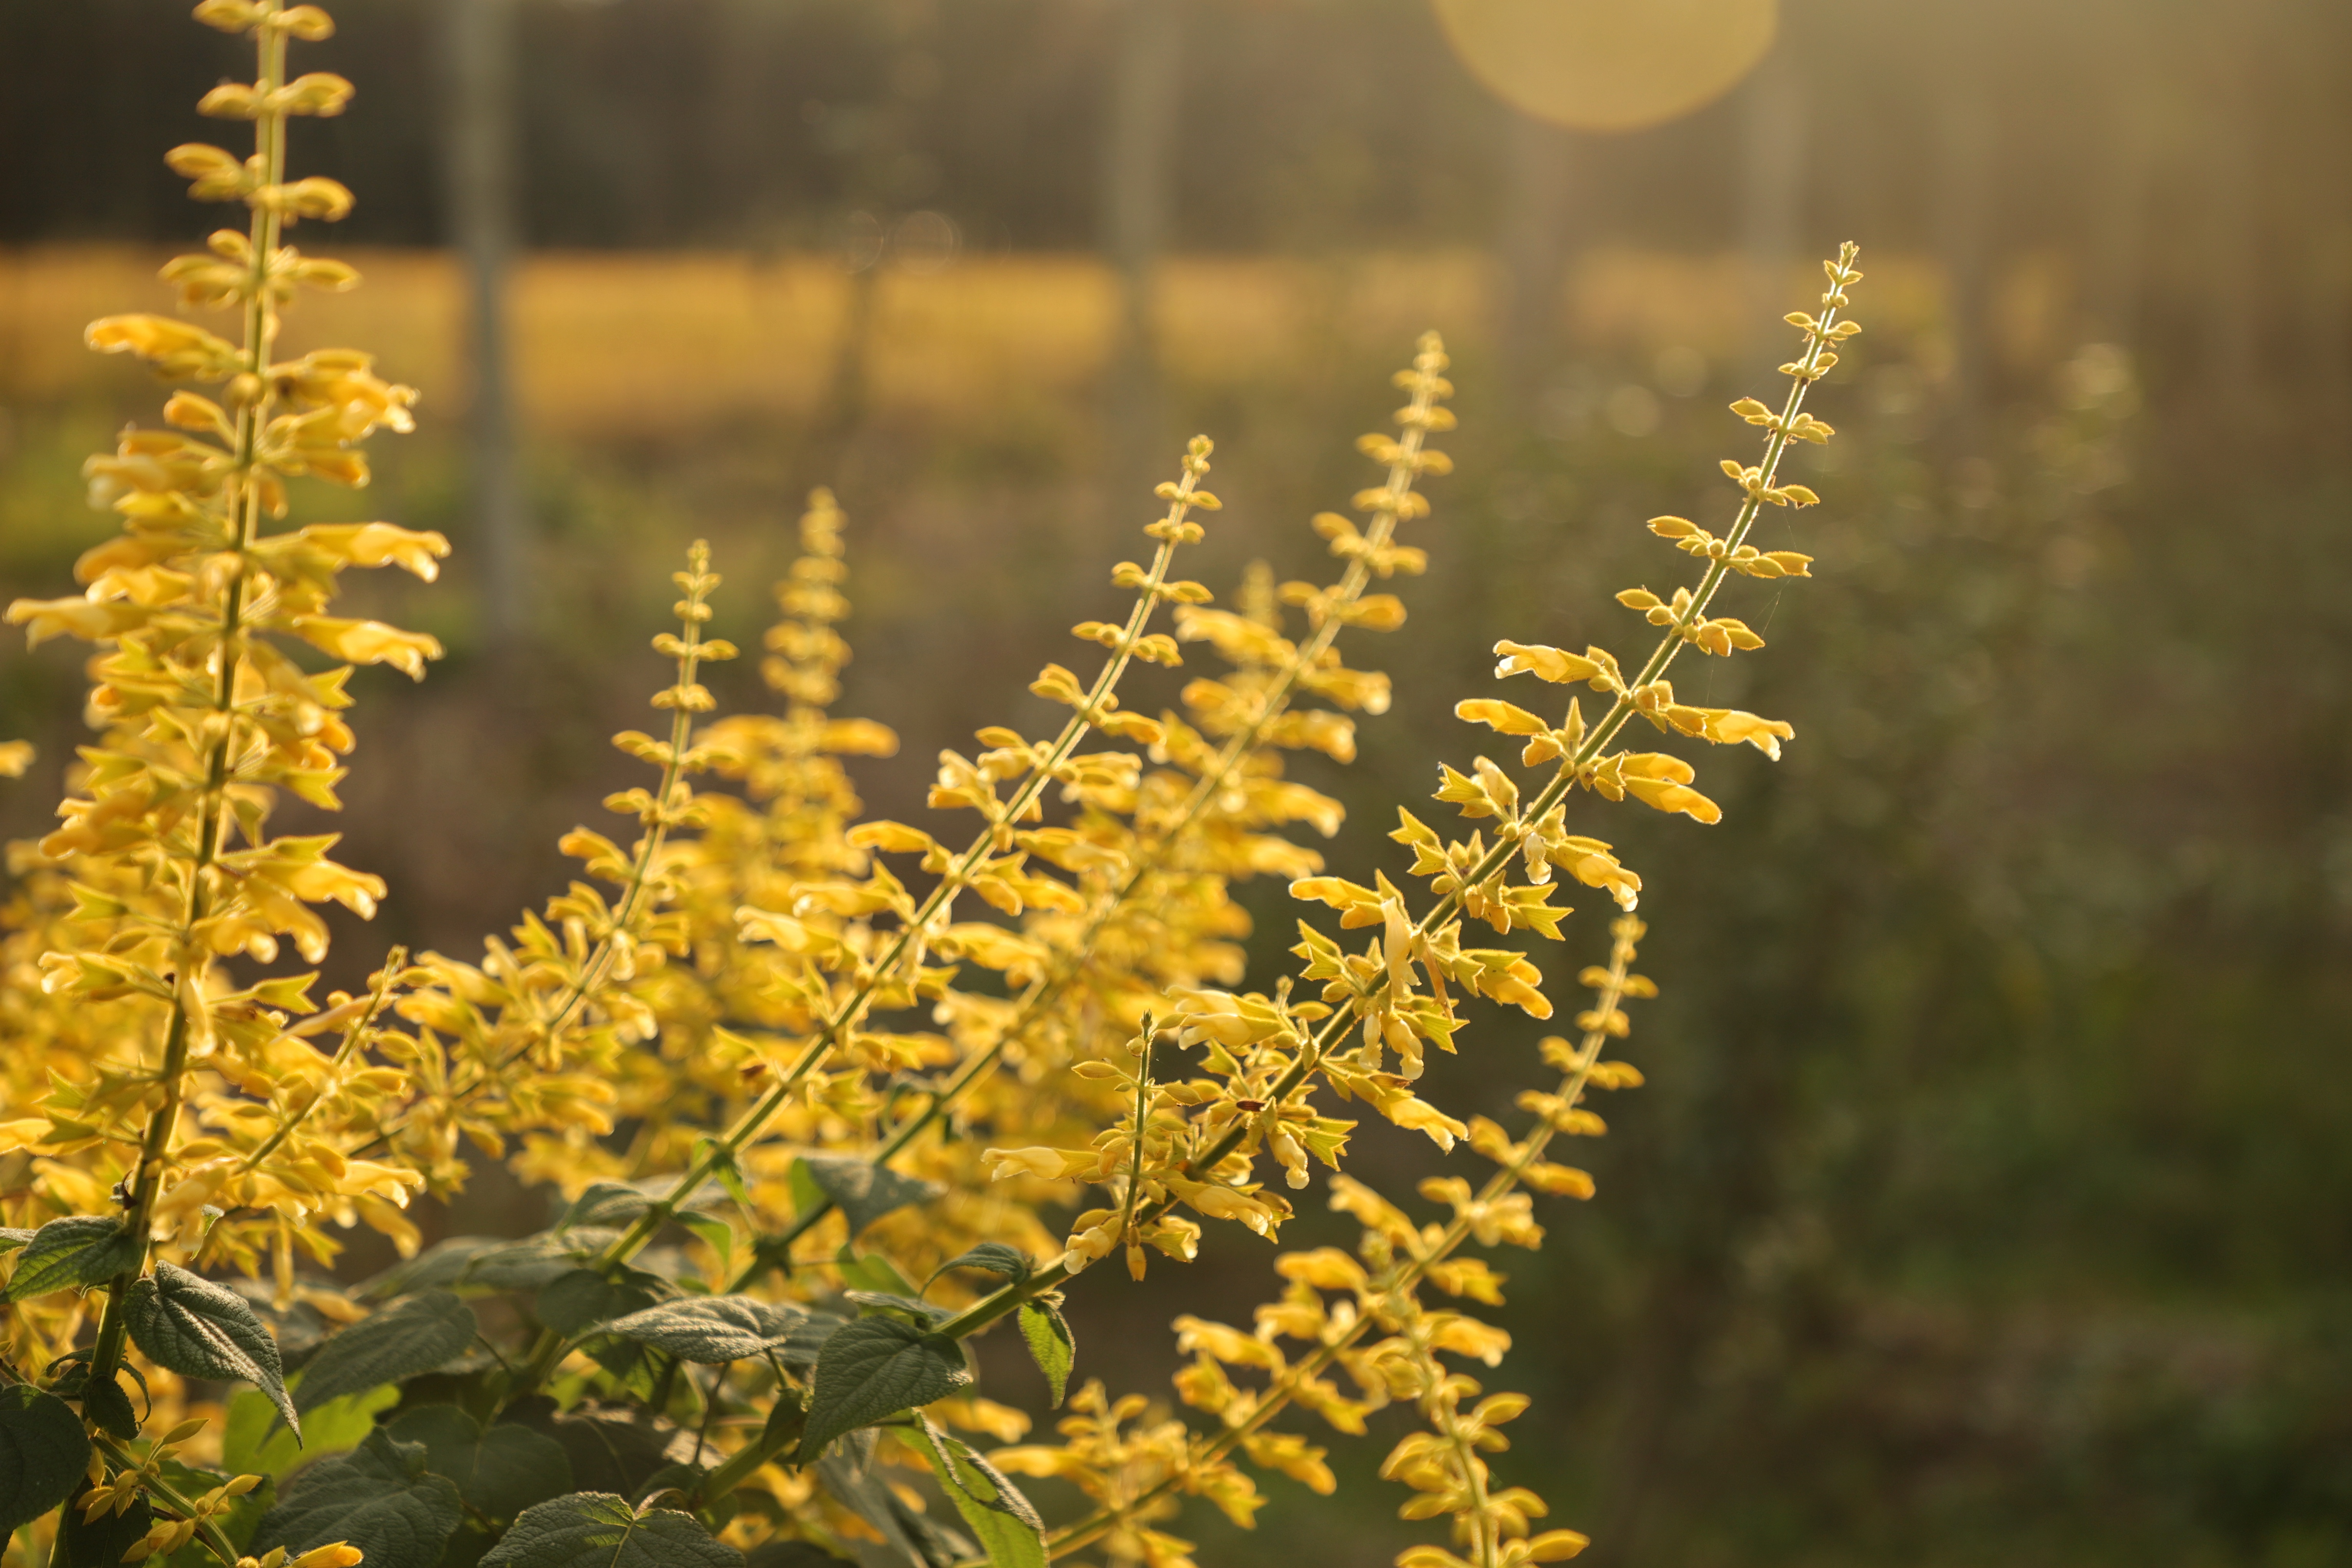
point(808, 1084)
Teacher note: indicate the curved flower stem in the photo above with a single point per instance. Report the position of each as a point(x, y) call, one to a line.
point(958, 875)
point(206, 1531)
point(1406, 1275)
point(1273, 702)
point(1807, 369)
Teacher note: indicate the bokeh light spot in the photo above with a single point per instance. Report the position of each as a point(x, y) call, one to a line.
point(1609, 65)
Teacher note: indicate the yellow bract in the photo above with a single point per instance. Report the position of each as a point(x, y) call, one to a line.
point(779, 1000)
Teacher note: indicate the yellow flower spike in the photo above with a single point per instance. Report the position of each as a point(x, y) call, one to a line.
point(750, 962)
point(207, 719)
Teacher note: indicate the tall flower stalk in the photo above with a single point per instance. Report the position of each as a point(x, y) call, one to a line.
point(724, 1045)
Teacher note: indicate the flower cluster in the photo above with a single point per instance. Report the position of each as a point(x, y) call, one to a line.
point(806, 1081)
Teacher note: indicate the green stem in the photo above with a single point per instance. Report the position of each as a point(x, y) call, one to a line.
point(1405, 1277)
point(549, 1348)
point(742, 1464)
point(206, 1531)
point(260, 332)
point(1009, 1297)
point(1272, 704)
point(394, 962)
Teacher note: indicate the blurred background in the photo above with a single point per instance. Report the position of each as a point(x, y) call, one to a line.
point(1991, 1198)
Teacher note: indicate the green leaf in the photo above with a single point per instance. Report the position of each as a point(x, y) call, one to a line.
point(79, 1250)
point(499, 1472)
point(536, 1261)
point(862, 1190)
point(854, 1487)
point(613, 1448)
point(1051, 1346)
point(572, 1301)
point(254, 1442)
point(872, 1271)
point(109, 1404)
point(728, 1171)
point(412, 1336)
point(920, 1312)
point(101, 1541)
point(1009, 1528)
point(379, 1497)
point(299, 1327)
point(873, 1369)
point(621, 1202)
point(808, 1198)
point(719, 1234)
point(713, 1330)
point(12, 1238)
point(43, 1452)
point(995, 1257)
point(597, 1530)
point(198, 1329)
point(443, 1263)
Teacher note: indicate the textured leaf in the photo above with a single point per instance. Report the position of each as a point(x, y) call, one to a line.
point(919, 1311)
point(254, 1442)
point(489, 1263)
point(619, 1202)
point(713, 1330)
point(850, 1485)
point(12, 1238)
point(598, 1530)
point(409, 1337)
point(299, 1327)
point(864, 1191)
point(1008, 1528)
point(873, 1369)
point(499, 1472)
point(101, 1541)
point(78, 1250)
point(612, 1448)
point(535, 1260)
point(995, 1257)
point(443, 1263)
point(43, 1451)
point(379, 1497)
point(109, 1404)
point(1047, 1334)
point(572, 1301)
point(198, 1329)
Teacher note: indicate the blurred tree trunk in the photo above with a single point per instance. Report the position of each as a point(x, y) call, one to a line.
point(887, 176)
point(2234, 282)
point(1772, 204)
point(1966, 136)
point(741, 117)
point(1138, 177)
point(2326, 280)
point(1539, 169)
point(482, 187)
point(2119, 203)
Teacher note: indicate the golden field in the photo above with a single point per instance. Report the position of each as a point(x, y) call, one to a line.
point(629, 345)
